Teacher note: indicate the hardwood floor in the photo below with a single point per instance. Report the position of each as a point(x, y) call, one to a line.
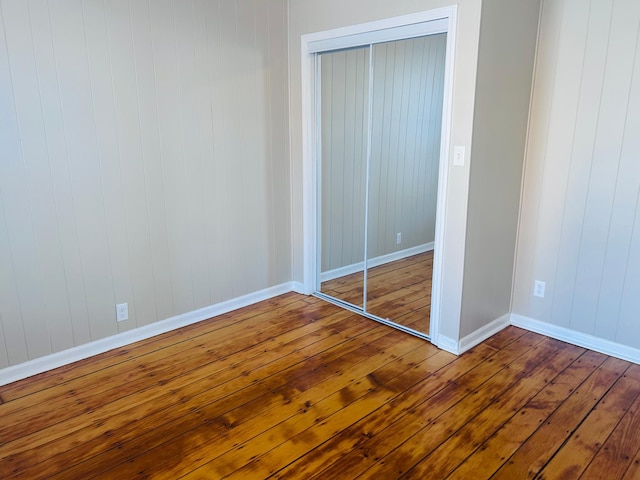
point(399, 290)
point(297, 388)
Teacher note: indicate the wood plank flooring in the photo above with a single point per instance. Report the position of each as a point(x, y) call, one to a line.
point(399, 291)
point(296, 388)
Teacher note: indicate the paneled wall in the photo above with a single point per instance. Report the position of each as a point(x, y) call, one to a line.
point(344, 100)
point(143, 159)
point(405, 148)
point(580, 221)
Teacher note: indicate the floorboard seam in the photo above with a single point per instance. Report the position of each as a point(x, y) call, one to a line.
point(577, 426)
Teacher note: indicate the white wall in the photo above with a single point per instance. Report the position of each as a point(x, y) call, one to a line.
point(406, 125)
point(508, 35)
point(143, 159)
point(579, 225)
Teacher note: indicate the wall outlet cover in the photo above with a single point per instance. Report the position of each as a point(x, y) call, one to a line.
point(122, 312)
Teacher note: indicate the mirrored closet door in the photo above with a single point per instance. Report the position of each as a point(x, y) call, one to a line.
point(379, 129)
point(344, 117)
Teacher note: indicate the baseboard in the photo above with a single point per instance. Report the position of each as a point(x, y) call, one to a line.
point(375, 262)
point(483, 333)
point(473, 339)
point(584, 340)
point(55, 360)
point(447, 344)
point(58, 359)
point(298, 287)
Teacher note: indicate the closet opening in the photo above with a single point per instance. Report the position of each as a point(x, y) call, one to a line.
point(379, 112)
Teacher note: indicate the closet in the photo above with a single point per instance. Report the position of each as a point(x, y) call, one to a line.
point(379, 127)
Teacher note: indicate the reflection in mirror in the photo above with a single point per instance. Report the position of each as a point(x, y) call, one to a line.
point(394, 215)
point(408, 86)
point(344, 91)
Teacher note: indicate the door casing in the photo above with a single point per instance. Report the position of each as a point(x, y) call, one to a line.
point(396, 28)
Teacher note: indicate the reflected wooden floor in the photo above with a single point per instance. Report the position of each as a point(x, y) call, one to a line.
point(399, 291)
point(295, 388)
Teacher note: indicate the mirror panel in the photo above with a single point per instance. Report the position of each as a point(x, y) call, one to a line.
point(376, 239)
point(344, 91)
point(408, 82)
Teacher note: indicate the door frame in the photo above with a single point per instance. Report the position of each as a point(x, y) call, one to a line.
point(374, 32)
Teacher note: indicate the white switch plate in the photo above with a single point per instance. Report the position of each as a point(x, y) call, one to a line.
point(458, 155)
point(538, 289)
point(399, 238)
point(122, 312)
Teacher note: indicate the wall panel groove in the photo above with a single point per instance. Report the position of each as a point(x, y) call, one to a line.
point(408, 79)
point(585, 233)
point(143, 159)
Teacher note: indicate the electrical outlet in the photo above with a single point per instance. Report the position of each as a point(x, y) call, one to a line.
point(398, 238)
point(538, 289)
point(122, 312)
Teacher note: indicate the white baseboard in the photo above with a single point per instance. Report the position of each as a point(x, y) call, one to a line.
point(55, 360)
point(475, 338)
point(483, 333)
point(298, 287)
point(375, 262)
point(447, 344)
point(58, 359)
point(563, 334)
point(580, 339)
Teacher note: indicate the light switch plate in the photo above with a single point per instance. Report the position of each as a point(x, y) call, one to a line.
point(458, 156)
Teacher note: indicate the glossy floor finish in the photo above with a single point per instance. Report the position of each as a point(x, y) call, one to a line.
point(297, 388)
point(399, 291)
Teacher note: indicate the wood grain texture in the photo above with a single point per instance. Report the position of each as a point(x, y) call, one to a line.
point(294, 387)
point(399, 291)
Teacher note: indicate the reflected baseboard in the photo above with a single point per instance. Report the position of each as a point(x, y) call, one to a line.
point(375, 262)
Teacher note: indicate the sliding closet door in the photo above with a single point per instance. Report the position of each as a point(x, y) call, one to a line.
point(343, 99)
point(380, 120)
point(408, 83)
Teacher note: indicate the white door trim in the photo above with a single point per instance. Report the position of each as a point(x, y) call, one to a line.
point(309, 46)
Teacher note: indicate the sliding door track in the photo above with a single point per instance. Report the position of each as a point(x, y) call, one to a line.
point(360, 311)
